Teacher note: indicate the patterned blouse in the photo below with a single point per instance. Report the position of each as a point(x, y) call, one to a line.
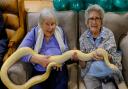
point(105, 40)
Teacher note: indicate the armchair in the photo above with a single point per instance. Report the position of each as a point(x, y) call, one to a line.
point(14, 17)
point(118, 24)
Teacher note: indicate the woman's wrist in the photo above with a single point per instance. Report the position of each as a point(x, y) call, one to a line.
point(11, 44)
point(109, 56)
point(34, 59)
point(82, 64)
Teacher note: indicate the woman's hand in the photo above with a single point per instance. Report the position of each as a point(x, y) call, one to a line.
point(74, 56)
point(98, 56)
point(10, 51)
point(39, 59)
point(82, 64)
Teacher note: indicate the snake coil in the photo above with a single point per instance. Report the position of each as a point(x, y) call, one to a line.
point(55, 60)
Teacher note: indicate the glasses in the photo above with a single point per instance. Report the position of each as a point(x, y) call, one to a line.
point(97, 19)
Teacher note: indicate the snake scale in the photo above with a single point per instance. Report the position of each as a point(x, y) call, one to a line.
point(56, 60)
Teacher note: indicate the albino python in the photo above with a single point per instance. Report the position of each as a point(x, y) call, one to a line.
point(56, 60)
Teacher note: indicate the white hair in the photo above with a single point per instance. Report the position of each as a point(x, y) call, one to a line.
point(46, 13)
point(96, 8)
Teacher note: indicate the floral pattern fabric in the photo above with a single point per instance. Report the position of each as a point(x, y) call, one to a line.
point(105, 40)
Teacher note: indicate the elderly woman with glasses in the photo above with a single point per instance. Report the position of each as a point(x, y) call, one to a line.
point(48, 39)
point(95, 73)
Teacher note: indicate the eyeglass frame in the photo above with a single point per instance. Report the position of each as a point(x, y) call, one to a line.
point(97, 19)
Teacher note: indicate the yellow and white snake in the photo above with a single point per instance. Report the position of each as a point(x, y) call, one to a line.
point(55, 60)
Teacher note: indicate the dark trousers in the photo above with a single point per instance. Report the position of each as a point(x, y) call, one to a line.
point(109, 78)
point(56, 80)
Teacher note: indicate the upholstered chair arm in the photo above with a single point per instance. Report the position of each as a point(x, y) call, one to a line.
point(124, 49)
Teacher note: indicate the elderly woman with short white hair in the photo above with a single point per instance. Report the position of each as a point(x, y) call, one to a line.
point(48, 39)
point(95, 73)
